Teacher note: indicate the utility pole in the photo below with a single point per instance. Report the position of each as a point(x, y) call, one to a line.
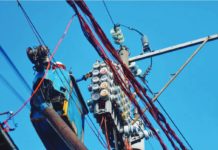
point(124, 55)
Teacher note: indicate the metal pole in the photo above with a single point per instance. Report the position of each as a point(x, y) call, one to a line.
point(174, 77)
point(124, 55)
point(63, 130)
point(173, 48)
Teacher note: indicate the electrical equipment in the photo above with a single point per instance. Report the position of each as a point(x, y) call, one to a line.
point(135, 69)
point(117, 35)
point(109, 102)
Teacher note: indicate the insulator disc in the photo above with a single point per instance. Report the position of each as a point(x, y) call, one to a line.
point(95, 79)
point(95, 87)
point(96, 65)
point(104, 93)
point(103, 65)
point(95, 72)
point(95, 96)
point(104, 78)
point(104, 85)
point(103, 71)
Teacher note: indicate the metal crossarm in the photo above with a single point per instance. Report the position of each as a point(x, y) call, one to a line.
point(173, 48)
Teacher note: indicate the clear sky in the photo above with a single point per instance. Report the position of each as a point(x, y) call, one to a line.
point(191, 100)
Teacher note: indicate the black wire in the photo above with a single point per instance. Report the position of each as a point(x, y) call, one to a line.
point(133, 29)
point(4, 80)
point(32, 26)
point(96, 129)
point(41, 41)
point(108, 12)
point(15, 68)
point(177, 128)
point(74, 93)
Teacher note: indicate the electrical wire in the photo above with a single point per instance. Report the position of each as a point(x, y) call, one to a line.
point(88, 33)
point(106, 133)
point(170, 118)
point(132, 29)
point(95, 128)
point(176, 74)
point(108, 12)
point(41, 41)
point(42, 79)
point(32, 26)
point(4, 80)
point(160, 118)
point(96, 134)
point(15, 69)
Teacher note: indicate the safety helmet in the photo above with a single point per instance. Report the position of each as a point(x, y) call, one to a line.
point(58, 64)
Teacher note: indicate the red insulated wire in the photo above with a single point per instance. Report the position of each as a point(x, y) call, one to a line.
point(101, 142)
point(102, 120)
point(88, 33)
point(138, 88)
point(7, 127)
point(47, 68)
point(106, 133)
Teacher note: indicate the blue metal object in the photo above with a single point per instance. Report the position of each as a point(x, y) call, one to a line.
point(72, 110)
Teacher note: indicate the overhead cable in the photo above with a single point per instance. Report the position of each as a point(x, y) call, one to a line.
point(172, 121)
point(4, 80)
point(41, 41)
point(15, 69)
point(32, 26)
point(174, 76)
point(159, 118)
point(108, 12)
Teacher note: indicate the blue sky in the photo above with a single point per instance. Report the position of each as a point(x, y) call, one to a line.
point(191, 99)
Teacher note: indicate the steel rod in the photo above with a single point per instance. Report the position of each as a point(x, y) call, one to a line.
point(173, 48)
point(174, 77)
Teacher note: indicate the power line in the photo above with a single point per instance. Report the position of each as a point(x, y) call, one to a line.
point(15, 68)
point(132, 29)
point(103, 144)
point(41, 41)
point(108, 12)
point(168, 115)
point(4, 80)
point(32, 26)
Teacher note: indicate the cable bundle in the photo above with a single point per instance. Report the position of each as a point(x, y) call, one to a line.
point(139, 89)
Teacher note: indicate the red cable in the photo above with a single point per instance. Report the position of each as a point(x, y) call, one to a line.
point(99, 49)
point(102, 120)
point(153, 110)
point(95, 134)
point(141, 92)
point(7, 127)
point(106, 133)
point(88, 33)
point(127, 145)
point(47, 68)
